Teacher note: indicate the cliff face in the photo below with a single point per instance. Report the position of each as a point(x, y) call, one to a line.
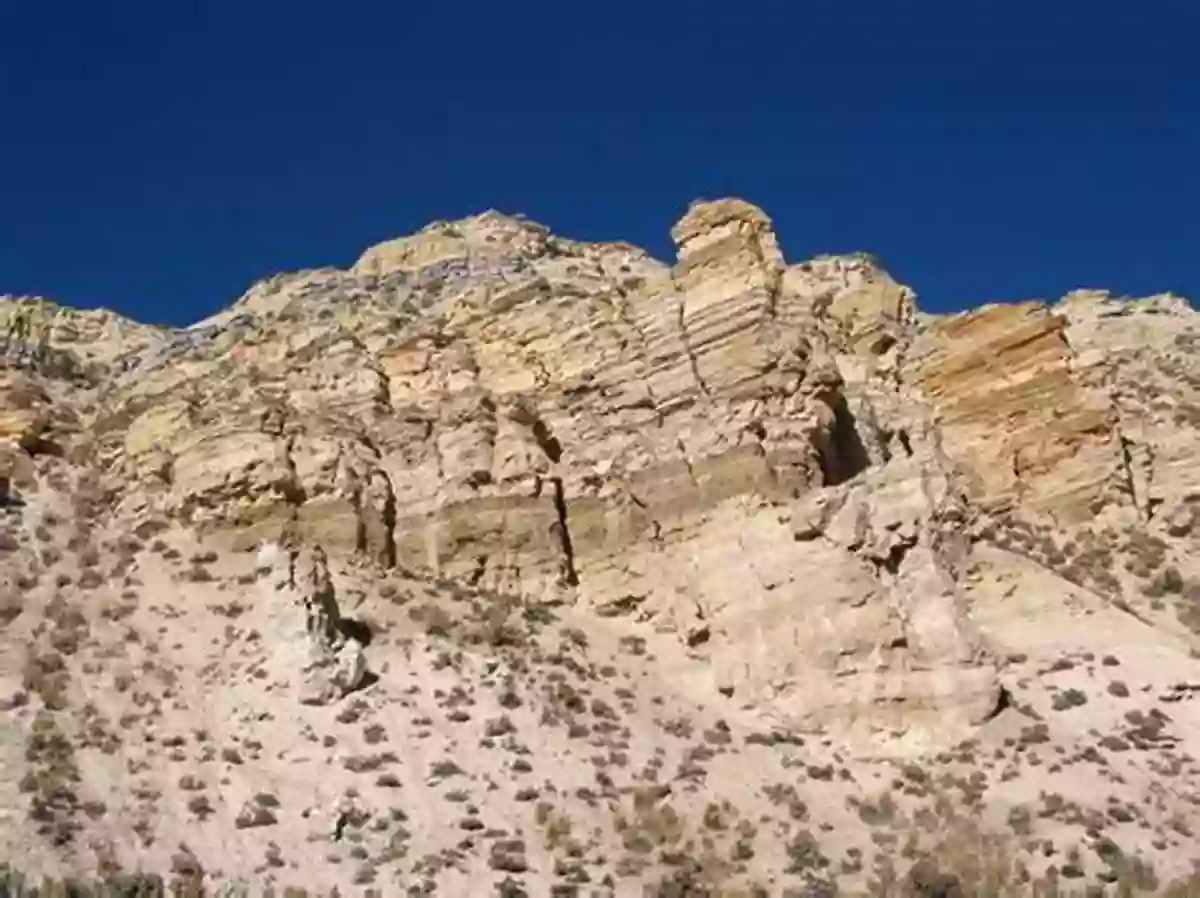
point(492, 404)
point(487, 402)
point(784, 472)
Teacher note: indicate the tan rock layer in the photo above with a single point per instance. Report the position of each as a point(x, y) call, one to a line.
point(1012, 411)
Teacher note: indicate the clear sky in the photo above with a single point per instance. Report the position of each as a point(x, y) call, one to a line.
point(158, 156)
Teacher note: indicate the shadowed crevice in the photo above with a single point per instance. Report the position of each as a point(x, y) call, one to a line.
point(355, 629)
point(564, 533)
point(844, 456)
point(547, 442)
point(389, 525)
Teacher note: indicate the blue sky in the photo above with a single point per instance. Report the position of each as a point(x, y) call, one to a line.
point(158, 157)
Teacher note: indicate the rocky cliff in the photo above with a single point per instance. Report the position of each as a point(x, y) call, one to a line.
point(829, 514)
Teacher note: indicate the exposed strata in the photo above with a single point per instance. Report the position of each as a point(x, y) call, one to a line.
point(783, 474)
point(487, 402)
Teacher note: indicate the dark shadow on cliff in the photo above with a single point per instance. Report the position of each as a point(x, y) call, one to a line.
point(355, 629)
point(845, 456)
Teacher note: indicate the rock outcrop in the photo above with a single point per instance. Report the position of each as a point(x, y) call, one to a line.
point(778, 491)
point(486, 402)
point(306, 634)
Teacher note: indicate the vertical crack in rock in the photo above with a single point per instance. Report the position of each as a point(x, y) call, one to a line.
point(774, 273)
point(684, 339)
point(1128, 485)
point(570, 577)
point(360, 519)
point(389, 521)
point(293, 556)
point(1137, 471)
point(642, 356)
point(552, 449)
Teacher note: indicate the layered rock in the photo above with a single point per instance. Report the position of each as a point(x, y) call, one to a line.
point(1013, 411)
point(1143, 355)
point(1066, 410)
point(487, 402)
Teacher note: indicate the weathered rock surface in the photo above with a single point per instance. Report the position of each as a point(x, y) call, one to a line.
point(487, 402)
point(24, 411)
point(778, 490)
point(306, 629)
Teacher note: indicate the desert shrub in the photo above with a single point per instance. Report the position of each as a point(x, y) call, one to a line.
point(44, 674)
point(11, 606)
point(1147, 553)
point(51, 780)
